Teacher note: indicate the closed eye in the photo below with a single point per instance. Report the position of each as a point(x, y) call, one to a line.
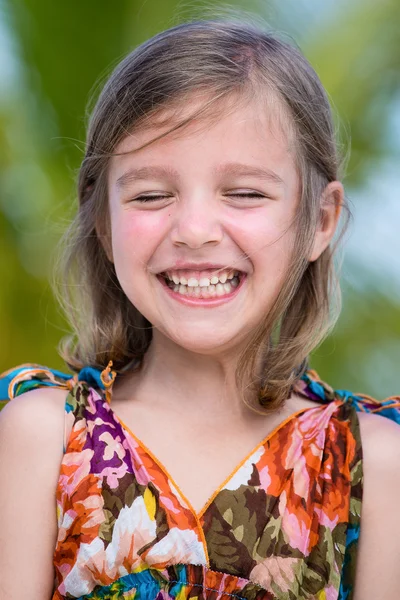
point(247, 195)
point(153, 197)
point(150, 198)
point(244, 197)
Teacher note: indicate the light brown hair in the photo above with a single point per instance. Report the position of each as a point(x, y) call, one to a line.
point(229, 60)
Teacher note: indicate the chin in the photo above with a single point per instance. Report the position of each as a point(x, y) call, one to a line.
point(205, 343)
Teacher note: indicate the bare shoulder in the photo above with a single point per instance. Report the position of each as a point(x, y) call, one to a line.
point(32, 425)
point(379, 545)
point(31, 452)
point(380, 439)
point(36, 414)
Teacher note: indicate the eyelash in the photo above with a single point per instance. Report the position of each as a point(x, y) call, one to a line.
point(154, 198)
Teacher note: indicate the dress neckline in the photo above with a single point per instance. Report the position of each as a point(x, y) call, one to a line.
point(199, 515)
point(302, 388)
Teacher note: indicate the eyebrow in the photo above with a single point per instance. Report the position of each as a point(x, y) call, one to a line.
point(232, 169)
point(145, 173)
point(239, 169)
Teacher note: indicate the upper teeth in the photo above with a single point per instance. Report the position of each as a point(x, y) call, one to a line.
point(202, 282)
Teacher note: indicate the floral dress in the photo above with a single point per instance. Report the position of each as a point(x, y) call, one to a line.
point(284, 525)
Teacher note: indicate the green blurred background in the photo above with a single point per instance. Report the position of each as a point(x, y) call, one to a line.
point(54, 55)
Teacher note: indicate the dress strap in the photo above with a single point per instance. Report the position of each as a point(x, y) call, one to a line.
point(314, 388)
point(30, 376)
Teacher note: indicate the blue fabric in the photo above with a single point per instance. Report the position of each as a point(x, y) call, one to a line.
point(41, 378)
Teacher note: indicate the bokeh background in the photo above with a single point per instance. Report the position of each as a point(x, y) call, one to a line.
point(53, 58)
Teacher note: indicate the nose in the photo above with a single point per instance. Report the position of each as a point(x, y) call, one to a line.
point(197, 223)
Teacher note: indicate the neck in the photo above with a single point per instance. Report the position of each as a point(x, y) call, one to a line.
point(198, 382)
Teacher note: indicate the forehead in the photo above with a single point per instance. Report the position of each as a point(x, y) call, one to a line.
point(233, 128)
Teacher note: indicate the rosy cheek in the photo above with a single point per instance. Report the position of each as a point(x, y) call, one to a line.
point(137, 227)
point(255, 228)
point(136, 235)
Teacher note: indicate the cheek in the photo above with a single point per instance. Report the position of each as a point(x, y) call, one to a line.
point(137, 233)
point(262, 236)
point(269, 247)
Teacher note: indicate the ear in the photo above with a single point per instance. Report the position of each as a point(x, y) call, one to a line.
point(331, 203)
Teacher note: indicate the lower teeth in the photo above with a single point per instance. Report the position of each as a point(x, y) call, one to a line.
point(220, 289)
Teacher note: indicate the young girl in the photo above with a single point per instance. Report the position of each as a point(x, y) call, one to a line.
point(194, 454)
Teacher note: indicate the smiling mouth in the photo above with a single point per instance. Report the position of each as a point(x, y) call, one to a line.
point(218, 290)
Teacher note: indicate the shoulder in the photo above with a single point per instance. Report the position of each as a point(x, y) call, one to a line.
point(34, 417)
point(379, 543)
point(381, 459)
point(39, 402)
point(380, 439)
point(379, 434)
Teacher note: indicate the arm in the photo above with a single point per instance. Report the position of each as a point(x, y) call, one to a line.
point(31, 439)
point(378, 560)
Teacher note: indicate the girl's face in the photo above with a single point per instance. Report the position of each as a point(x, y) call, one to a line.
point(208, 201)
